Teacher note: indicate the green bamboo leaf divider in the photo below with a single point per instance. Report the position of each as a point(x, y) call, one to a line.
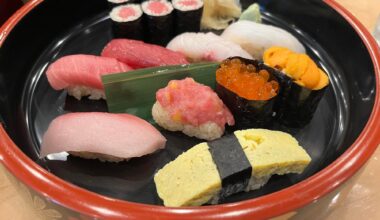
point(134, 92)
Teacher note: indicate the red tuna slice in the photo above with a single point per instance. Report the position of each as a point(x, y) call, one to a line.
point(119, 135)
point(82, 70)
point(138, 54)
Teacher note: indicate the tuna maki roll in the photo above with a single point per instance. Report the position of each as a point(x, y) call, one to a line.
point(198, 114)
point(115, 3)
point(303, 85)
point(159, 21)
point(188, 14)
point(249, 90)
point(127, 22)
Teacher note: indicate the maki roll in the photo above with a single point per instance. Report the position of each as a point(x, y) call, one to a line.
point(303, 85)
point(193, 108)
point(127, 22)
point(248, 89)
point(188, 14)
point(115, 3)
point(159, 21)
point(243, 161)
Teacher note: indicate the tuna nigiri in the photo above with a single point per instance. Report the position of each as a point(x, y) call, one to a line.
point(206, 46)
point(81, 74)
point(105, 136)
point(255, 38)
point(201, 114)
point(138, 54)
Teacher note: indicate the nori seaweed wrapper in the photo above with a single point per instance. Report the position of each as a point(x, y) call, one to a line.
point(249, 113)
point(128, 29)
point(187, 21)
point(158, 29)
point(232, 164)
point(297, 104)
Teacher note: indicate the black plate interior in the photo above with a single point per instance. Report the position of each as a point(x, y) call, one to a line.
point(62, 27)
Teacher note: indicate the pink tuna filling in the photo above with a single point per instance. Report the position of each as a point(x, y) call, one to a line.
point(127, 12)
point(188, 3)
point(192, 103)
point(157, 7)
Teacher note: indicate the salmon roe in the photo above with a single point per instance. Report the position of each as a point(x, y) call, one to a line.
point(246, 81)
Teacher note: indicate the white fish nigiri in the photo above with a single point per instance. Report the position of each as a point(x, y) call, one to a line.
point(206, 46)
point(255, 38)
point(105, 136)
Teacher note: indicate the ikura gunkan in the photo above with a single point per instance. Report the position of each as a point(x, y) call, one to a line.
point(248, 90)
point(303, 84)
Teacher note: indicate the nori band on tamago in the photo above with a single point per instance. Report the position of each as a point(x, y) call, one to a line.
point(232, 164)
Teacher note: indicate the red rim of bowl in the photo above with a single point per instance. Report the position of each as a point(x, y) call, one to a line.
point(89, 203)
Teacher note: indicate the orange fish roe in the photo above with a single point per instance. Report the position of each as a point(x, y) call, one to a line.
point(245, 81)
point(300, 67)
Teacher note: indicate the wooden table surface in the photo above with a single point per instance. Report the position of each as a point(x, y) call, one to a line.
point(357, 198)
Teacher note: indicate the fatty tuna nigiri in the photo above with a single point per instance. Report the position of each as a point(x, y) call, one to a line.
point(105, 136)
point(138, 54)
point(81, 74)
point(206, 47)
point(198, 114)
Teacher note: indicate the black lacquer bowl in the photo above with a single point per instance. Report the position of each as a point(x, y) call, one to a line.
point(340, 138)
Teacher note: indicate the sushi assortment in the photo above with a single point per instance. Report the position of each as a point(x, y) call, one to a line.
point(262, 76)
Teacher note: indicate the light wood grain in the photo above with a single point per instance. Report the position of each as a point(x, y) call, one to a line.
point(359, 198)
point(366, 10)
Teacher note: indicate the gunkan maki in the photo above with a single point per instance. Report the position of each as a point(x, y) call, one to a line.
point(158, 21)
point(303, 85)
point(248, 90)
point(188, 14)
point(127, 22)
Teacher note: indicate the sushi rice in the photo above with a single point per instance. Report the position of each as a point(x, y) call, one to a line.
point(81, 91)
point(207, 131)
point(115, 13)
